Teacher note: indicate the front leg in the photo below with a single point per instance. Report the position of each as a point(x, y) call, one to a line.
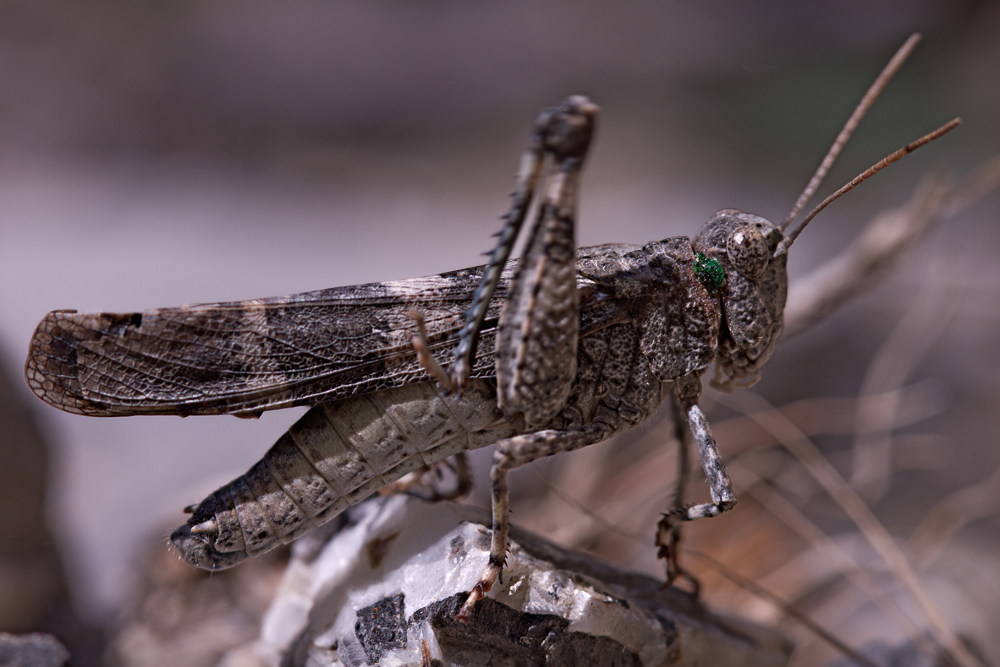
point(514, 453)
point(723, 499)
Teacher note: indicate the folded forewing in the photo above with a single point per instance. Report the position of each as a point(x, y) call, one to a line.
point(249, 356)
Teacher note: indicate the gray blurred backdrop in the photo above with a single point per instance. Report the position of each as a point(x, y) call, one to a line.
point(161, 153)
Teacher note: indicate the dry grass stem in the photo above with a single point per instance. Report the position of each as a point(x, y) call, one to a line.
point(841, 492)
point(834, 416)
point(899, 354)
point(813, 297)
point(589, 513)
point(785, 511)
point(788, 609)
point(950, 514)
point(974, 187)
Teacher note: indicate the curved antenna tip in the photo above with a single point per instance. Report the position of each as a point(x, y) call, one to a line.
point(787, 242)
point(886, 75)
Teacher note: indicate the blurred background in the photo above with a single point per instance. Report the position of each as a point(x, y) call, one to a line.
point(155, 154)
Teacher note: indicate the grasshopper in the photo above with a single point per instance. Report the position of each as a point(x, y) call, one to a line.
point(558, 350)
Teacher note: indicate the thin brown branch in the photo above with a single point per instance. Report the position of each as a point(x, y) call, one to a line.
point(785, 511)
point(786, 608)
point(950, 514)
point(827, 476)
point(897, 357)
point(866, 260)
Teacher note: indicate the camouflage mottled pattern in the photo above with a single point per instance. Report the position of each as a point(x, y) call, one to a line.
point(336, 455)
point(339, 453)
point(644, 322)
point(249, 356)
point(540, 322)
point(560, 350)
point(753, 307)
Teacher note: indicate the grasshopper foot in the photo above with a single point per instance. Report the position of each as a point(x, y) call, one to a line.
point(668, 537)
point(482, 587)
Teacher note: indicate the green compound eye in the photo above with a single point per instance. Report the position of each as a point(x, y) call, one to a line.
point(709, 272)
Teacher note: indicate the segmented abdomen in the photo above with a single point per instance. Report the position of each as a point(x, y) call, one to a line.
point(336, 455)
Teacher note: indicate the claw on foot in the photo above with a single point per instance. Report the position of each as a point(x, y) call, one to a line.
point(475, 595)
point(668, 537)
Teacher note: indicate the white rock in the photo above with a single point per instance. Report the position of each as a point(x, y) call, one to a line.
point(388, 582)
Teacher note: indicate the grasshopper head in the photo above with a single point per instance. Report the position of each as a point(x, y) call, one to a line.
point(736, 260)
point(740, 258)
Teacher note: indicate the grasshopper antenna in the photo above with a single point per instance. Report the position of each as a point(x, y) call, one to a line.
point(787, 242)
point(852, 123)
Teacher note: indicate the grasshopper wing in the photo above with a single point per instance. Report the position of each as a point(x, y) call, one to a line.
point(249, 356)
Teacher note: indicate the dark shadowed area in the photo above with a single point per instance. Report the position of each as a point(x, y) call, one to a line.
point(155, 154)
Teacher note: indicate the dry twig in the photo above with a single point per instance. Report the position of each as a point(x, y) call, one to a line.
point(838, 489)
point(814, 296)
point(895, 360)
point(786, 512)
point(950, 514)
point(788, 609)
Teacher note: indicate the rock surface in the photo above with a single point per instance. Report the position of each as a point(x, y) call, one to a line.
point(384, 589)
